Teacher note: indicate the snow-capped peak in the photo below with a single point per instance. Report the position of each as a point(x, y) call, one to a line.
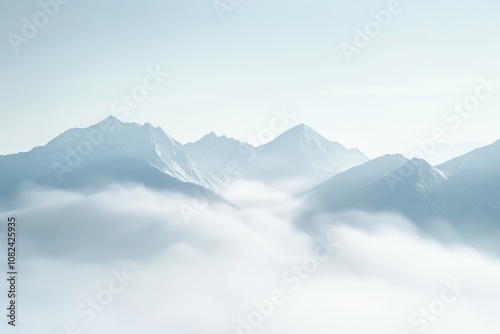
point(314, 157)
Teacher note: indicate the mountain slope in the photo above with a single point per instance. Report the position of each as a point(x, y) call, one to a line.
point(110, 151)
point(302, 153)
point(480, 170)
point(413, 188)
point(299, 155)
point(213, 153)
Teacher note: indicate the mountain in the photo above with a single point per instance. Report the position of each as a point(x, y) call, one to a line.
point(480, 170)
point(213, 153)
point(301, 154)
point(113, 151)
point(463, 192)
point(444, 152)
point(110, 151)
point(455, 193)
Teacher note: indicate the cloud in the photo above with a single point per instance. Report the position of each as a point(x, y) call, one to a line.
point(204, 276)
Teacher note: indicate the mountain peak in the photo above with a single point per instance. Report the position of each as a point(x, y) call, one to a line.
point(111, 123)
point(300, 128)
point(212, 138)
point(299, 131)
point(112, 118)
point(301, 135)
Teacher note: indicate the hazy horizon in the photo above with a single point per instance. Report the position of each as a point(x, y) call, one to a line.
point(229, 75)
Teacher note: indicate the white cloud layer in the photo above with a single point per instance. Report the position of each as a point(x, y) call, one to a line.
point(205, 276)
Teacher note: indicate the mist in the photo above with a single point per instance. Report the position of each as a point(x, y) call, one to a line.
point(124, 260)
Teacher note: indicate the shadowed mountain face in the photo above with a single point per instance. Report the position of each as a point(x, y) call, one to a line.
point(463, 192)
point(480, 170)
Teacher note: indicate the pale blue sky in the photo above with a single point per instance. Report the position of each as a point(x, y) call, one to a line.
point(228, 76)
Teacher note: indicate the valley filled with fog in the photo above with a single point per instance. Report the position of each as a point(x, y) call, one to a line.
point(354, 272)
point(145, 235)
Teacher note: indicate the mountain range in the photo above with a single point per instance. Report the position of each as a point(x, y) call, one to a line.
point(462, 194)
point(463, 191)
point(298, 154)
point(116, 152)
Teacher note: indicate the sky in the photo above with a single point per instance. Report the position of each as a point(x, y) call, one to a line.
point(230, 75)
